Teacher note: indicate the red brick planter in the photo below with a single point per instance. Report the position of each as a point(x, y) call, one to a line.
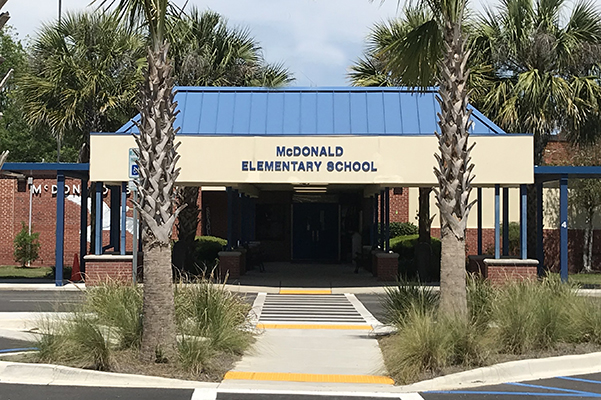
point(387, 266)
point(499, 271)
point(231, 264)
point(108, 268)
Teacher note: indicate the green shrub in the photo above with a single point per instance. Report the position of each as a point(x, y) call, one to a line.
point(207, 248)
point(26, 245)
point(404, 297)
point(404, 246)
point(120, 307)
point(209, 310)
point(401, 229)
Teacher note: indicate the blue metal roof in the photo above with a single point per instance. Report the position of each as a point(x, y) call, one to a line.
point(243, 111)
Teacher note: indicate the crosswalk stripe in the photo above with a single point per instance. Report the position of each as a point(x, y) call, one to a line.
point(311, 310)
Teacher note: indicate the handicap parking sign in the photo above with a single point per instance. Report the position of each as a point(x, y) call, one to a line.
point(134, 173)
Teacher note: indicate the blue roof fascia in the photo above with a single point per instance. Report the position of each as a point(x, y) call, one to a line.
point(550, 173)
point(34, 166)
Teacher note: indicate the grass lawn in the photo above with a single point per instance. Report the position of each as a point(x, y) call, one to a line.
point(15, 272)
point(586, 279)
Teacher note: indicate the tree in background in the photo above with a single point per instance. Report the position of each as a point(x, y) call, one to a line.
point(545, 75)
point(206, 52)
point(83, 76)
point(585, 196)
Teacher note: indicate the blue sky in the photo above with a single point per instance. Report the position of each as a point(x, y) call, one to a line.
point(316, 39)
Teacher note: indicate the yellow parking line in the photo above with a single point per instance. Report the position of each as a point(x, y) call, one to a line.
point(290, 377)
point(314, 326)
point(307, 291)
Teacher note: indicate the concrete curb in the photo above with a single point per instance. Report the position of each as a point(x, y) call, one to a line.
point(513, 371)
point(46, 374)
point(69, 287)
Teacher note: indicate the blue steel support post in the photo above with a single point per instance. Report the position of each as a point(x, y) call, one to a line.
point(540, 253)
point(230, 217)
point(497, 221)
point(381, 224)
point(523, 222)
point(387, 217)
point(83, 225)
point(563, 227)
point(59, 255)
point(505, 221)
point(479, 212)
point(123, 215)
point(98, 222)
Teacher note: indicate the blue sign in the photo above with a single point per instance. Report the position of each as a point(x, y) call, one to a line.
point(134, 173)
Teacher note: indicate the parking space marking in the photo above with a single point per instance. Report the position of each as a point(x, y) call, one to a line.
point(569, 378)
point(540, 394)
point(579, 392)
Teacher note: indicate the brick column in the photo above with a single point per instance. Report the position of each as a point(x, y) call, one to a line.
point(387, 266)
point(230, 263)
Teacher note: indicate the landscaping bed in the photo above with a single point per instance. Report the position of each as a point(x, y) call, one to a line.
point(518, 320)
point(105, 332)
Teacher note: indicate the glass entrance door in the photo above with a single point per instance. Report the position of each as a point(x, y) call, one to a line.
point(315, 232)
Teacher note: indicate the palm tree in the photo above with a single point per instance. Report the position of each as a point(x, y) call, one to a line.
point(206, 52)
point(405, 51)
point(433, 47)
point(157, 152)
point(545, 75)
point(83, 76)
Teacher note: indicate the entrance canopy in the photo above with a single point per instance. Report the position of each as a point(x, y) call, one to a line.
point(251, 138)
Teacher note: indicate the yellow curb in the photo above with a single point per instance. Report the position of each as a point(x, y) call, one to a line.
point(314, 326)
point(301, 291)
point(289, 377)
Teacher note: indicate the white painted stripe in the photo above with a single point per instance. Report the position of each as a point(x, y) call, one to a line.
point(411, 396)
point(369, 318)
point(257, 308)
point(204, 394)
point(351, 395)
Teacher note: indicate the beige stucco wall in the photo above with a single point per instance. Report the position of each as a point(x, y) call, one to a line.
point(397, 161)
point(488, 207)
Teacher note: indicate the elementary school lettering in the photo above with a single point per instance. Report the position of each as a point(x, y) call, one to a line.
point(312, 165)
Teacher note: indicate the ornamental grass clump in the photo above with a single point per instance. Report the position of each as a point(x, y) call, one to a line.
point(585, 320)
point(420, 345)
point(404, 297)
point(75, 340)
point(119, 307)
point(208, 310)
point(532, 316)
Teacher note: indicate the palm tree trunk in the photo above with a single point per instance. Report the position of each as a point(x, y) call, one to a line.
point(454, 171)
point(587, 253)
point(158, 340)
point(157, 157)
